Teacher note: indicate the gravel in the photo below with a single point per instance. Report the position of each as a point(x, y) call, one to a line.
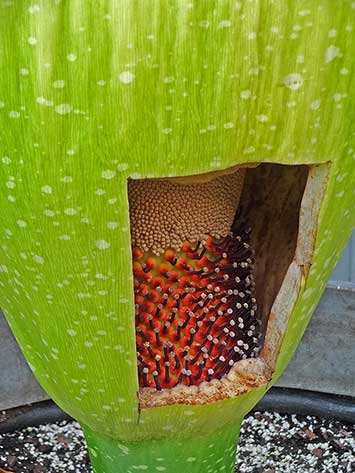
point(269, 443)
point(275, 443)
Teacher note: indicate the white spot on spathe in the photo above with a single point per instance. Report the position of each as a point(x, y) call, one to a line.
point(49, 213)
point(337, 97)
point(24, 71)
point(252, 35)
point(58, 84)
point(225, 24)
point(262, 118)
point(101, 83)
point(254, 71)
point(245, 94)
point(228, 125)
point(122, 166)
point(67, 179)
point(304, 12)
point(14, 114)
point(204, 24)
point(331, 53)
point(168, 427)
point(108, 174)
point(70, 211)
point(3, 269)
point(124, 449)
point(21, 223)
point(10, 184)
point(38, 259)
point(216, 162)
point(2, 105)
point(46, 189)
point(126, 77)
point(136, 175)
point(102, 244)
point(191, 459)
point(32, 41)
point(71, 332)
point(167, 131)
point(63, 108)
point(6, 160)
point(33, 9)
point(332, 33)
point(140, 467)
point(72, 57)
point(293, 81)
point(112, 225)
point(45, 102)
point(315, 105)
point(70, 152)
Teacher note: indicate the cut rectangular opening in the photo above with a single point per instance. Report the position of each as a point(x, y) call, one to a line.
point(218, 261)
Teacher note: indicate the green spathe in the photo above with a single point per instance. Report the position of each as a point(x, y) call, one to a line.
point(92, 93)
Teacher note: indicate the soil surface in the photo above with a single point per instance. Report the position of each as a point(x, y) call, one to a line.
point(269, 443)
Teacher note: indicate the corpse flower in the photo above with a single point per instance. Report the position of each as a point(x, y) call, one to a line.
point(177, 184)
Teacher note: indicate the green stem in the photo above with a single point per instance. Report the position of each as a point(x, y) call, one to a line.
point(210, 453)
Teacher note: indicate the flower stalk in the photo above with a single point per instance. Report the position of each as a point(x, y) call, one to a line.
point(213, 452)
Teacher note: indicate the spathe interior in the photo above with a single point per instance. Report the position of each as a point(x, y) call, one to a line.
point(281, 205)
